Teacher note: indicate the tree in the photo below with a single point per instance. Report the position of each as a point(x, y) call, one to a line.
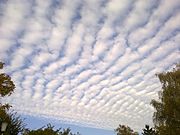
point(49, 130)
point(15, 123)
point(125, 130)
point(148, 131)
point(42, 131)
point(6, 84)
point(167, 115)
point(6, 87)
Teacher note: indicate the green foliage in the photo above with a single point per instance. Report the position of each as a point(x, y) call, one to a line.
point(148, 131)
point(49, 130)
point(167, 115)
point(6, 84)
point(1, 65)
point(15, 123)
point(43, 131)
point(125, 130)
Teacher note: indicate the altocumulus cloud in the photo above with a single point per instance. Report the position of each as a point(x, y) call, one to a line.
point(88, 62)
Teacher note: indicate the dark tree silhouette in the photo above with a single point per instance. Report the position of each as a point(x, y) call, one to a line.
point(125, 130)
point(148, 131)
point(15, 123)
point(49, 130)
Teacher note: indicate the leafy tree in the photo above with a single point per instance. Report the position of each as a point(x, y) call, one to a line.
point(6, 84)
point(49, 130)
point(148, 131)
point(167, 115)
point(42, 131)
point(15, 123)
point(6, 88)
point(125, 130)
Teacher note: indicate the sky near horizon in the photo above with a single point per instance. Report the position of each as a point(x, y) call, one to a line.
point(34, 122)
point(88, 62)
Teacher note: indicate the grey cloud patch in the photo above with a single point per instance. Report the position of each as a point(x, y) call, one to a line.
point(72, 60)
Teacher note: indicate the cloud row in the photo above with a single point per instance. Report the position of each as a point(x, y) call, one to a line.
point(88, 62)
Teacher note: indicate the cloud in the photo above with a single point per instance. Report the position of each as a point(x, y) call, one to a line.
point(91, 63)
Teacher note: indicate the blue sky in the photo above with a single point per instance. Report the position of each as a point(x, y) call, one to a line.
point(90, 63)
point(37, 122)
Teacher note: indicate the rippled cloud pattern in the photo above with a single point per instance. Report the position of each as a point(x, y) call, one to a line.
point(88, 62)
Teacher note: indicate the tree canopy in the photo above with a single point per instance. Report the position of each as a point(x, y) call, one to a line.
point(6, 84)
point(49, 130)
point(167, 115)
point(125, 130)
point(15, 123)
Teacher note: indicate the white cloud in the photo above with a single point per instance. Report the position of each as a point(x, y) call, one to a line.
point(89, 57)
point(156, 21)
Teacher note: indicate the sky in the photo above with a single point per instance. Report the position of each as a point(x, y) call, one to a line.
point(39, 122)
point(90, 63)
